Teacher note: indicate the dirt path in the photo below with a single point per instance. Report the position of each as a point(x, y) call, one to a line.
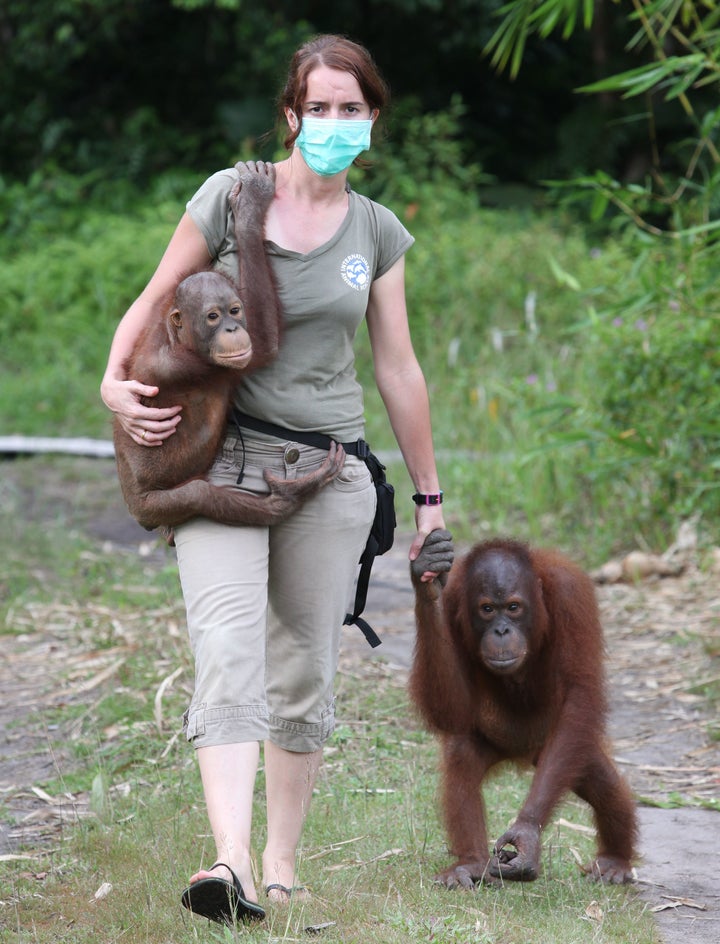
point(656, 635)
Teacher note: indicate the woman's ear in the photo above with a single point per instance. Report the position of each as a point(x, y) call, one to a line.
point(291, 118)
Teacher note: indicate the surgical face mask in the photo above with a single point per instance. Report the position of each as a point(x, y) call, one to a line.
point(330, 145)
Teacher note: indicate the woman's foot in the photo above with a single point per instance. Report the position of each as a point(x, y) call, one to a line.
point(282, 894)
point(218, 894)
point(280, 881)
point(220, 870)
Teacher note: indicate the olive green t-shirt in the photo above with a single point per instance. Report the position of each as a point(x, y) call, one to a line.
point(324, 294)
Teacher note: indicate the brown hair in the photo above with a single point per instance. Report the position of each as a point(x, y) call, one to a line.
point(335, 52)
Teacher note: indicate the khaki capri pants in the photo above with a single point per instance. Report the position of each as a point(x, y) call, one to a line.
point(265, 605)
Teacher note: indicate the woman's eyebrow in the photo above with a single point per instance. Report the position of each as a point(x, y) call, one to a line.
point(324, 104)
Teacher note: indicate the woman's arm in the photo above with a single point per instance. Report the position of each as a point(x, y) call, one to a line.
point(402, 387)
point(186, 252)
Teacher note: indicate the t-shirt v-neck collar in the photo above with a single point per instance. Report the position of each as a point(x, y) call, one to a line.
point(323, 247)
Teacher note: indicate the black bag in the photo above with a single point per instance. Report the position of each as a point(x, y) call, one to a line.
point(383, 527)
point(380, 540)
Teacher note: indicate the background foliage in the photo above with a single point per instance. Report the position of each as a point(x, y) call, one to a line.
point(135, 86)
point(569, 332)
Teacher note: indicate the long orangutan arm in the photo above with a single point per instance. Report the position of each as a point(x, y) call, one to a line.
point(562, 759)
point(250, 199)
point(438, 682)
point(198, 497)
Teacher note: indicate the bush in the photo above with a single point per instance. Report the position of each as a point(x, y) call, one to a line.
point(574, 385)
point(71, 268)
point(656, 362)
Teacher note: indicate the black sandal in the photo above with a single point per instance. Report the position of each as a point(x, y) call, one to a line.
point(219, 900)
point(276, 886)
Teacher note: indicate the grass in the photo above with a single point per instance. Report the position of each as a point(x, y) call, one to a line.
point(373, 839)
point(371, 847)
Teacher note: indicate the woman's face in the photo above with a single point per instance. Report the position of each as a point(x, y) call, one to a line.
point(332, 93)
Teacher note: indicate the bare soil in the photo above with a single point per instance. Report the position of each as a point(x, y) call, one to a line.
point(663, 641)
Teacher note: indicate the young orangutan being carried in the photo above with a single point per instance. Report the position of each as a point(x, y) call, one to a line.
point(195, 353)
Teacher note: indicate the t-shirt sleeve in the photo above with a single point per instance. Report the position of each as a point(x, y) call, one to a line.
point(210, 211)
point(393, 239)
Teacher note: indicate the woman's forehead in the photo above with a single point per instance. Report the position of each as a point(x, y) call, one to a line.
point(324, 82)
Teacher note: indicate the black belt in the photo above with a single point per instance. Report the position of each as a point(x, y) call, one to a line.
point(318, 440)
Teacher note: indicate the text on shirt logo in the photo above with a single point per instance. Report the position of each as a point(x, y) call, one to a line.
point(355, 271)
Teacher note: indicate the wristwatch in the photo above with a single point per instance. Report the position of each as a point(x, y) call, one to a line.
point(421, 499)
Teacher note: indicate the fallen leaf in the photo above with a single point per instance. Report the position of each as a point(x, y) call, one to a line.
point(102, 892)
point(42, 795)
point(318, 928)
point(162, 688)
point(673, 902)
point(577, 827)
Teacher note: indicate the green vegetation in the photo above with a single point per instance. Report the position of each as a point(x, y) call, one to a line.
point(574, 380)
point(133, 88)
point(570, 344)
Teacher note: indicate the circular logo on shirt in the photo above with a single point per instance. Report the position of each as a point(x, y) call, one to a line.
point(355, 271)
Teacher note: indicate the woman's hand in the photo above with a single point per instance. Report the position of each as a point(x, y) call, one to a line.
point(428, 518)
point(147, 425)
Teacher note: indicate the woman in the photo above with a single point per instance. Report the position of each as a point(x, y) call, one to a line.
point(265, 605)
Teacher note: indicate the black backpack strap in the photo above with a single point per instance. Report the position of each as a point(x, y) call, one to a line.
point(363, 581)
point(379, 540)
